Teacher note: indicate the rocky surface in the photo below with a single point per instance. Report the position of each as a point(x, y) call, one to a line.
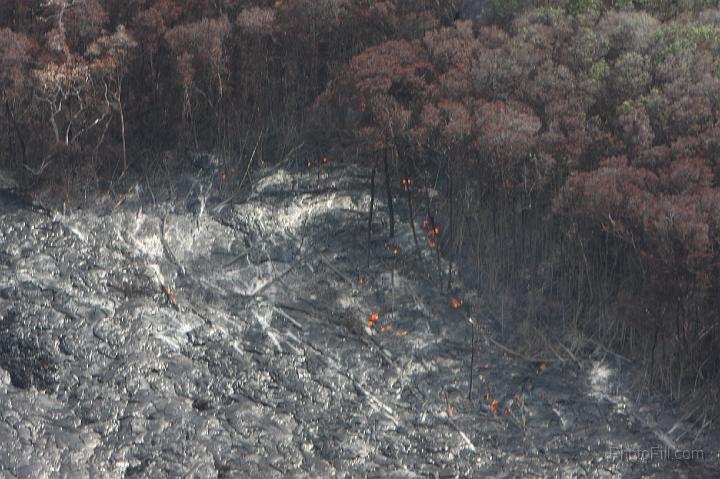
point(167, 339)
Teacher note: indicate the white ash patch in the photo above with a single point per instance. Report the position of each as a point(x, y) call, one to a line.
point(599, 376)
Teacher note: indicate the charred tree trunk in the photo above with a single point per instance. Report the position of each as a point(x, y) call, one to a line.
point(450, 223)
point(407, 182)
point(472, 359)
point(388, 191)
point(370, 216)
point(121, 110)
point(408, 190)
point(18, 133)
point(435, 239)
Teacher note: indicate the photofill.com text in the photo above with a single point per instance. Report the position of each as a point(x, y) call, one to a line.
point(659, 453)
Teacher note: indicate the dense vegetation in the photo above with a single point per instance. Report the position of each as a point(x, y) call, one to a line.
point(575, 143)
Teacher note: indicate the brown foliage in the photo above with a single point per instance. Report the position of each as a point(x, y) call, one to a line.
point(83, 23)
point(256, 20)
point(382, 88)
point(14, 62)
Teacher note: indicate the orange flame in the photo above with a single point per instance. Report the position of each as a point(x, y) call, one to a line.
point(455, 303)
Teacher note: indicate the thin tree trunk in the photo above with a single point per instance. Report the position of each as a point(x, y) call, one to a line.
point(451, 226)
point(408, 190)
point(370, 216)
point(412, 217)
point(17, 131)
point(472, 359)
point(122, 132)
point(388, 191)
point(435, 240)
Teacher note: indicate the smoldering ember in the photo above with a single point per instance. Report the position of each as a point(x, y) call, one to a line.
point(345, 238)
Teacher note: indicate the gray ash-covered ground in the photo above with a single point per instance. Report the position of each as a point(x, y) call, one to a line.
point(256, 360)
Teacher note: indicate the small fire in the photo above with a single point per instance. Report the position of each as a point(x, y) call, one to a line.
point(310, 164)
point(169, 295)
point(407, 182)
point(493, 406)
point(395, 251)
point(374, 317)
point(386, 328)
point(456, 303)
point(361, 280)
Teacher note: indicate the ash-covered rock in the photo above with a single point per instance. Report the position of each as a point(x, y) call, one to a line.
point(234, 342)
